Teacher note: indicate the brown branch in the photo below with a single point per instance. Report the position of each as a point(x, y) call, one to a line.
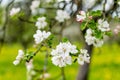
point(23, 20)
point(104, 5)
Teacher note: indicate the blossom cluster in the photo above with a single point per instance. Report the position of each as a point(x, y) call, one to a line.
point(62, 16)
point(40, 36)
point(83, 57)
point(41, 23)
point(35, 4)
point(92, 40)
point(103, 25)
point(19, 57)
point(61, 55)
point(82, 16)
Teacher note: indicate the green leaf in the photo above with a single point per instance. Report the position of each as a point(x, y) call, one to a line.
point(83, 26)
point(98, 34)
point(109, 33)
point(65, 39)
point(92, 25)
point(96, 13)
point(50, 40)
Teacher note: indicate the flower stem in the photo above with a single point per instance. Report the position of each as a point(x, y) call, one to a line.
point(63, 73)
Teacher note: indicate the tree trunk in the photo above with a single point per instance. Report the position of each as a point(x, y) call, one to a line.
point(84, 69)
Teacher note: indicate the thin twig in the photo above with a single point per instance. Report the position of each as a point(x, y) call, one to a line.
point(34, 54)
point(23, 20)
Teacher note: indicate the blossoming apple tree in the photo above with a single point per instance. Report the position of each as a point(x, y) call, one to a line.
point(94, 25)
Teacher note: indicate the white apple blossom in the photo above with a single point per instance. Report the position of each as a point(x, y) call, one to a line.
point(41, 23)
point(92, 40)
point(40, 36)
point(83, 57)
point(62, 16)
point(19, 57)
point(89, 38)
point(64, 48)
point(103, 25)
point(35, 4)
point(61, 61)
point(61, 55)
point(14, 11)
point(81, 16)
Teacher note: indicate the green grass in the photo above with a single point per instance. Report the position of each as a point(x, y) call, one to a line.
point(105, 64)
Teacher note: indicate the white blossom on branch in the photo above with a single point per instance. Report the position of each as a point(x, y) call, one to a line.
point(61, 55)
point(92, 40)
point(62, 16)
point(103, 25)
point(40, 36)
point(81, 16)
point(41, 23)
point(83, 57)
point(14, 11)
point(19, 57)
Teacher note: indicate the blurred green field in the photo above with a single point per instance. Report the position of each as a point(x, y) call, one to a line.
point(105, 64)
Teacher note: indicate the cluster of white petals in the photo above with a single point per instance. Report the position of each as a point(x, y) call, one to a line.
point(41, 23)
point(14, 11)
point(103, 25)
point(81, 16)
point(19, 57)
point(40, 36)
point(61, 55)
point(83, 57)
point(92, 40)
point(34, 6)
point(62, 16)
